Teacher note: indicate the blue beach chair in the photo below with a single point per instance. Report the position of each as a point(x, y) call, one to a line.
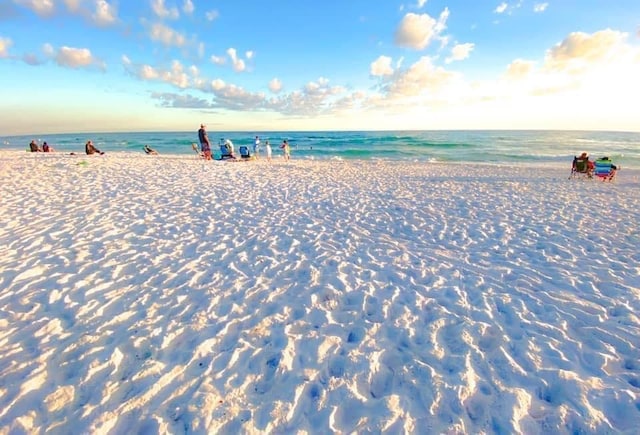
point(605, 169)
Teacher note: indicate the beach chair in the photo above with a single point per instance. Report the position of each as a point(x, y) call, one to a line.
point(605, 169)
point(581, 168)
point(225, 152)
point(245, 154)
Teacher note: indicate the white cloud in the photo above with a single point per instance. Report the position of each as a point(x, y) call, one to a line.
point(105, 13)
point(176, 75)
point(421, 3)
point(275, 85)
point(162, 11)
point(460, 52)
point(540, 7)
point(72, 57)
point(578, 50)
point(188, 7)
point(501, 8)
point(211, 15)
point(238, 64)
point(418, 30)
point(218, 60)
point(381, 67)
point(166, 35)
point(40, 7)
point(5, 43)
point(249, 55)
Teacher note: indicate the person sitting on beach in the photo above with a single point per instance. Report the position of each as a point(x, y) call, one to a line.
point(46, 148)
point(33, 147)
point(583, 165)
point(605, 166)
point(229, 145)
point(89, 148)
point(149, 150)
point(205, 145)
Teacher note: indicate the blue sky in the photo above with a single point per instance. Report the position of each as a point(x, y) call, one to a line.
point(147, 65)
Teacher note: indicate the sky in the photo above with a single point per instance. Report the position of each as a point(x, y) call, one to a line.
point(71, 66)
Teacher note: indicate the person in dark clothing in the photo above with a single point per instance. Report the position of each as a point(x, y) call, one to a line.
point(89, 148)
point(205, 145)
point(33, 147)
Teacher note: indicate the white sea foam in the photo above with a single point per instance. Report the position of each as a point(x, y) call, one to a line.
point(143, 294)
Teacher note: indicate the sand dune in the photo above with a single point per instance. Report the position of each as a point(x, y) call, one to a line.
point(144, 294)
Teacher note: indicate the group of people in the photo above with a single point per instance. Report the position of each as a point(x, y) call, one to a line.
point(602, 167)
point(205, 147)
point(34, 148)
point(89, 148)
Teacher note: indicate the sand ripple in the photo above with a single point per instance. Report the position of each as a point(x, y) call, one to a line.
point(143, 295)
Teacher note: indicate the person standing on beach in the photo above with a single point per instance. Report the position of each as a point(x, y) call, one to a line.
point(256, 146)
point(205, 145)
point(89, 148)
point(286, 150)
point(267, 147)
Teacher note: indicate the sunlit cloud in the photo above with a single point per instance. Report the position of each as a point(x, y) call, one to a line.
point(381, 67)
point(71, 57)
point(5, 43)
point(40, 7)
point(416, 31)
point(421, 3)
point(275, 85)
point(176, 75)
point(460, 52)
point(105, 14)
point(501, 8)
point(166, 35)
point(158, 7)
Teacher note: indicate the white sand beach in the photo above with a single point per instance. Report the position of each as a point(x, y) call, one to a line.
point(165, 294)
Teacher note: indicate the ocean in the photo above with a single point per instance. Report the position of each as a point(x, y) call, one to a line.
point(515, 147)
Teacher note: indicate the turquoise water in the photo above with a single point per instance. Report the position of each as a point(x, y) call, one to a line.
point(443, 146)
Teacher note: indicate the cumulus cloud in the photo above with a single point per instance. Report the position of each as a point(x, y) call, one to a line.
point(519, 69)
point(5, 43)
point(238, 64)
point(166, 35)
point(158, 7)
point(540, 7)
point(381, 67)
point(275, 85)
point(40, 7)
point(416, 31)
point(105, 14)
point(176, 75)
point(501, 8)
point(71, 57)
point(421, 3)
point(580, 49)
point(460, 52)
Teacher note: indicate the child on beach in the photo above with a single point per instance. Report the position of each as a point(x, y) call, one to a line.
point(267, 148)
point(286, 150)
